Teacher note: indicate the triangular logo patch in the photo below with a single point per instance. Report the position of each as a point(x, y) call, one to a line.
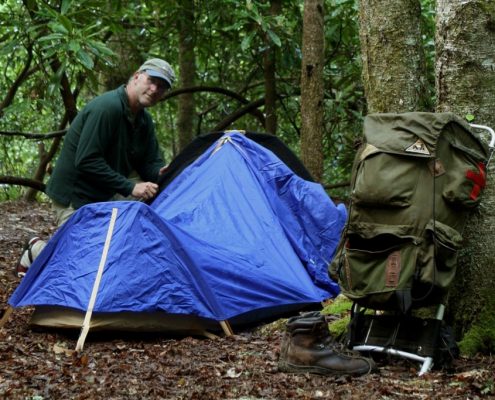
point(418, 147)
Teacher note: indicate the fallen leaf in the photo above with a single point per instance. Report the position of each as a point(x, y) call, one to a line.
point(62, 350)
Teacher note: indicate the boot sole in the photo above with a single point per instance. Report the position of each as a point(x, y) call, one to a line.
point(286, 367)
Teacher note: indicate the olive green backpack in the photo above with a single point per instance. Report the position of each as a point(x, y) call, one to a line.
point(415, 178)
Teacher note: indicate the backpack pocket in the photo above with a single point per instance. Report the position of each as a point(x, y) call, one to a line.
point(379, 278)
point(438, 257)
point(465, 178)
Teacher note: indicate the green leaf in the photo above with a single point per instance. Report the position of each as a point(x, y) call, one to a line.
point(53, 36)
point(65, 22)
point(58, 28)
point(256, 16)
point(85, 59)
point(100, 48)
point(9, 48)
point(237, 26)
point(50, 51)
point(74, 46)
point(65, 6)
point(52, 89)
point(469, 117)
point(274, 38)
point(246, 42)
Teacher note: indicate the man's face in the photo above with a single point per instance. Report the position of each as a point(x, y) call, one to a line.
point(149, 89)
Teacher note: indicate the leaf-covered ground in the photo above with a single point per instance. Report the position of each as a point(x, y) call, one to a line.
point(42, 365)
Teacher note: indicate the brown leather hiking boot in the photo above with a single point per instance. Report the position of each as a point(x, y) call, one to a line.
point(308, 347)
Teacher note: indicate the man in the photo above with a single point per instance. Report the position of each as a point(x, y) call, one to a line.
point(111, 138)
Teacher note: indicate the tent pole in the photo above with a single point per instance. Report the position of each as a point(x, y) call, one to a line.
point(6, 315)
point(92, 300)
point(227, 329)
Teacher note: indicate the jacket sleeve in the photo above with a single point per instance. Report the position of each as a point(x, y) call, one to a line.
point(148, 167)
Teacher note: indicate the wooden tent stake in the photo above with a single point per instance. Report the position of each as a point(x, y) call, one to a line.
point(92, 300)
point(227, 329)
point(209, 335)
point(6, 315)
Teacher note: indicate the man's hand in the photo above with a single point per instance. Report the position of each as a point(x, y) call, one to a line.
point(145, 190)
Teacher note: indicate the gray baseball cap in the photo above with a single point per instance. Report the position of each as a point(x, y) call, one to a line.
point(159, 69)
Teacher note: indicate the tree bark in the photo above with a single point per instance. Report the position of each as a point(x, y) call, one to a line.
point(269, 59)
point(187, 71)
point(465, 84)
point(312, 91)
point(394, 69)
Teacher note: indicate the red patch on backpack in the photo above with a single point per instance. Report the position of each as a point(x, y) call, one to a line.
point(479, 180)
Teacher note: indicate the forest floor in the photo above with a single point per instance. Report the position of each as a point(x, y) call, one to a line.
point(42, 365)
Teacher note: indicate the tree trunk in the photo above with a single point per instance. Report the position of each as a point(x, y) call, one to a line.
point(187, 72)
point(394, 69)
point(312, 107)
point(465, 84)
point(269, 58)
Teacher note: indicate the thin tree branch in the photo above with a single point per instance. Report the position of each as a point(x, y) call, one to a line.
point(238, 114)
point(336, 185)
point(25, 72)
point(213, 89)
point(38, 136)
point(15, 180)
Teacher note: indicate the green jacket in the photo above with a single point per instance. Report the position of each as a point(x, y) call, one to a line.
point(101, 148)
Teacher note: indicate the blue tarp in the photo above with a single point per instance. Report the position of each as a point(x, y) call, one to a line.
point(236, 231)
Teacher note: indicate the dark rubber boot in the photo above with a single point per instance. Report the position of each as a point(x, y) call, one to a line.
point(308, 347)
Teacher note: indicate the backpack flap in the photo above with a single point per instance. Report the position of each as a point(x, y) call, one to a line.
point(386, 179)
point(391, 189)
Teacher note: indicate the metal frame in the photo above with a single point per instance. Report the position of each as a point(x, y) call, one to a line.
point(426, 362)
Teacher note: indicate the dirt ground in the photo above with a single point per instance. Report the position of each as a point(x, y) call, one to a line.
point(42, 365)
